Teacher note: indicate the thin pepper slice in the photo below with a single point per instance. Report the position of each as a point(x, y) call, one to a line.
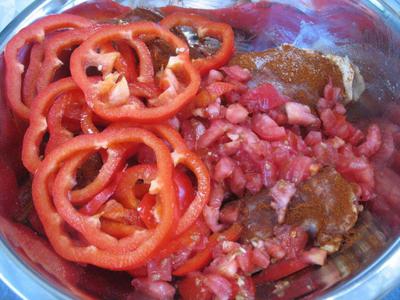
point(111, 98)
point(55, 226)
point(206, 28)
point(33, 33)
point(182, 155)
point(39, 126)
point(202, 258)
point(33, 73)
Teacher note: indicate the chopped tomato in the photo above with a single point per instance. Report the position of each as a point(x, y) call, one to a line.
point(201, 259)
point(262, 98)
point(192, 287)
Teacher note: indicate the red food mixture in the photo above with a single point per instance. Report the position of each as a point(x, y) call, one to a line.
point(189, 168)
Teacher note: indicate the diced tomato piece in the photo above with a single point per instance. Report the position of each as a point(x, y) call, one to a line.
point(282, 192)
point(159, 270)
point(219, 285)
point(236, 113)
point(156, 289)
point(192, 287)
point(237, 73)
point(230, 212)
point(300, 114)
point(217, 129)
point(262, 98)
point(267, 128)
point(224, 169)
point(313, 138)
point(372, 143)
point(293, 240)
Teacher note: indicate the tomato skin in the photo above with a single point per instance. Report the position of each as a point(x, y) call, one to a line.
point(192, 287)
point(205, 27)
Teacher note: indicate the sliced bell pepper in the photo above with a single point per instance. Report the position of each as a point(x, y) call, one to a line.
point(103, 250)
point(39, 125)
point(58, 133)
point(182, 155)
point(38, 122)
point(110, 97)
point(33, 74)
point(206, 28)
point(33, 33)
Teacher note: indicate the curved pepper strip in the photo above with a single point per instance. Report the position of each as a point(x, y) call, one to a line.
point(125, 192)
point(202, 258)
point(39, 126)
point(94, 205)
point(58, 134)
point(205, 27)
point(33, 74)
point(53, 47)
point(88, 226)
point(182, 155)
point(38, 122)
point(107, 107)
point(71, 38)
point(33, 33)
point(117, 229)
point(54, 225)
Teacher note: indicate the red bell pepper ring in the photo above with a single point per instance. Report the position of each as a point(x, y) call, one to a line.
point(149, 207)
point(125, 192)
point(33, 33)
point(33, 74)
point(53, 47)
point(38, 122)
point(117, 229)
point(114, 253)
point(39, 126)
point(94, 205)
point(148, 210)
point(202, 258)
point(88, 226)
point(182, 155)
point(58, 134)
point(71, 38)
point(205, 27)
point(110, 98)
